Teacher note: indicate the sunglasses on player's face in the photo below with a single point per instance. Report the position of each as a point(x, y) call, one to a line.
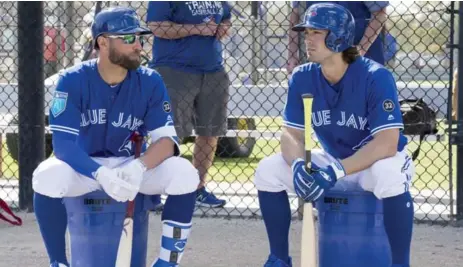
point(129, 38)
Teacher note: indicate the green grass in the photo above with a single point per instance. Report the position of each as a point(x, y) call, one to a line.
point(432, 170)
point(9, 165)
point(237, 169)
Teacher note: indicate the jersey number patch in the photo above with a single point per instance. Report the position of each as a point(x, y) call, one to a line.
point(388, 105)
point(58, 105)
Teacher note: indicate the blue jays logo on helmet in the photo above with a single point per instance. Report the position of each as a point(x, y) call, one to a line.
point(118, 21)
point(336, 19)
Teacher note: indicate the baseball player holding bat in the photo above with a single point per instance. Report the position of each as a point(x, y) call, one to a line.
point(97, 106)
point(357, 120)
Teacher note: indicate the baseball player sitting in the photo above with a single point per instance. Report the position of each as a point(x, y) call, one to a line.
point(358, 123)
point(97, 106)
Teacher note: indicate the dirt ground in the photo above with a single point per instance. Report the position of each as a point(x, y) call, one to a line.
point(217, 242)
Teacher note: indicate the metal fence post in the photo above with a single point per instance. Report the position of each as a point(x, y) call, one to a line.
point(459, 171)
point(30, 97)
point(452, 46)
point(255, 45)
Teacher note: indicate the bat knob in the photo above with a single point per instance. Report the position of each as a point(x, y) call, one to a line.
point(136, 137)
point(308, 168)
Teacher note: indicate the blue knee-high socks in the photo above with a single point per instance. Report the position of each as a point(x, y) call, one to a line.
point(52, 219)
point(176, 226)
point(398, 223)
point(179, 208)
point(276, 213)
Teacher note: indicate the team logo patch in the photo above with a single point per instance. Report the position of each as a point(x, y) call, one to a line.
point(169, 121)
point(180, 245)
point(58, 104)
point(388, 105)
point(127, 145)
point(166, 106)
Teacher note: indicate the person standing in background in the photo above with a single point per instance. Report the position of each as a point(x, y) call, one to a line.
point(50, 53)
point(187, 52)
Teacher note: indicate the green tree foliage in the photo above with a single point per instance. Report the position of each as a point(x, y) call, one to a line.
point(422, 27)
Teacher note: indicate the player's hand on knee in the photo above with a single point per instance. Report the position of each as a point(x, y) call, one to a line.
point(304, 183)
point(133, 172)
point(328, 176)
point(112, 182)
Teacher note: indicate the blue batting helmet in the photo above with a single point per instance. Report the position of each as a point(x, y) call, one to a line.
point(332, 17)
point(118, 21)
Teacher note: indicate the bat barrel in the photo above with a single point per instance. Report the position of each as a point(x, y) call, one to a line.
point(351, 230)
point(95, 226)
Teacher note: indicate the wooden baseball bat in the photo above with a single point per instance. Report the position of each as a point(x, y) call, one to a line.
point(124, 252)
point(309, 251)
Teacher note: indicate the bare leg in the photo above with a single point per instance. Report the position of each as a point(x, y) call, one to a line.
point(203, 156)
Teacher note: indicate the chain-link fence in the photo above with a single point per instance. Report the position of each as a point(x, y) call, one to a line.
point(255, 57)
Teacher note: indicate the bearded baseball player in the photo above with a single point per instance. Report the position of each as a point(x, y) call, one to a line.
point(357, 120)
point(96, 108)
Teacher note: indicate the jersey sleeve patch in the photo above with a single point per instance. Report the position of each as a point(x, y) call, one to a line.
point(388, 105)
point(166, 107)
point(59, 102)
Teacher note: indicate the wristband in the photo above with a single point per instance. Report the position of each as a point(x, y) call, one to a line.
point(143, 165)
point(338, 169)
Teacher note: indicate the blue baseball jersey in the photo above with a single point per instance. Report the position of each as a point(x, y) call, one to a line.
point(361, 10)
point(194, 53)
point(100, 119)
point(346, 115)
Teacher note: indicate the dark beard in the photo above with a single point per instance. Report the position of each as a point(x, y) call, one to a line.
point(123, 61)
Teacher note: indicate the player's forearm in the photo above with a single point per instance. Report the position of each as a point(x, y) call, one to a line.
point(224, 29)
point(292, 145)
point(226, 24)
point(293, 37)
point(158, 152)
point(68, 151)
point(378, 19)
point(170, 30)
point(384, 145)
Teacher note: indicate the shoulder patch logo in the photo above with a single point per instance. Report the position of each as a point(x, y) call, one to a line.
point(166, 106)
point(388, 105)
point(58, 104)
